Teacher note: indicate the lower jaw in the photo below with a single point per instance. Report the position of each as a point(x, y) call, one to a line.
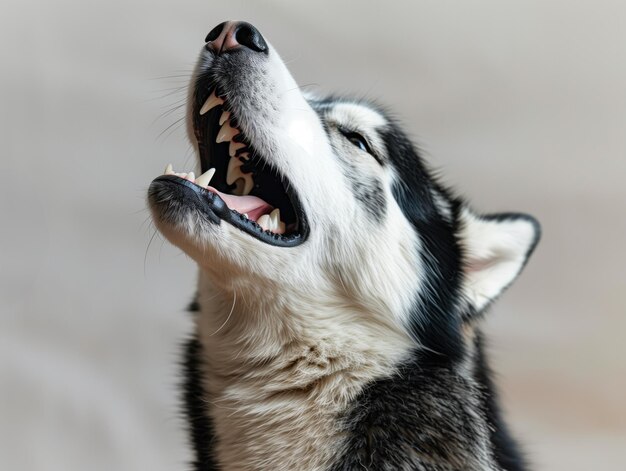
point(215, 210)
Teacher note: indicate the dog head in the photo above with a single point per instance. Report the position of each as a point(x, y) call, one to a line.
point(325, 196)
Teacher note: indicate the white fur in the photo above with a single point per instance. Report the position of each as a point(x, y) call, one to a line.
point(280, 366)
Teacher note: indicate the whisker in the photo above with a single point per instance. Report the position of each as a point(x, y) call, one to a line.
point(167, 113)
point(178, 121)
point(145, 256)
point(229, 314)
point(170, 92)
point(188, 154)
point(163, 77)
point(177, 102)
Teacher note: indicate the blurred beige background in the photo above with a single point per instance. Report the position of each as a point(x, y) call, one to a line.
point(521, 104)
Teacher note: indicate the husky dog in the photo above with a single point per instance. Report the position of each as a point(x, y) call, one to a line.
point(340, 284)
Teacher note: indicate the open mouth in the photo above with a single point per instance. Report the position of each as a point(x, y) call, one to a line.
point(237, 184)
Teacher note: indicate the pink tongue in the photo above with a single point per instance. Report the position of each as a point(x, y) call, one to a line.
point(253, 206)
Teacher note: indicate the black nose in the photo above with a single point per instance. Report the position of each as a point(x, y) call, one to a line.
point(232, 35)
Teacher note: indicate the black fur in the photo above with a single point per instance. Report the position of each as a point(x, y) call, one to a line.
point(423, 418)
point(435, 320)
point(200, 426)
point(506, 451)
point(368, 191)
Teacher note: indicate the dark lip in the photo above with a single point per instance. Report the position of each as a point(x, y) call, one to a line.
point(215, 210)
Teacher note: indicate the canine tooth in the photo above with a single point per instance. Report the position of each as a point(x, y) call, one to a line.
point(278, 226)
point(275, 217)
point(233, 172)
point(246, 215)
point(191, 177)
point(226, 133)
point(233, 147)
point(211, 102)
point(204, 179)
point(225, 117)
point(169, 170)
point(272, 225)
point(264, 222)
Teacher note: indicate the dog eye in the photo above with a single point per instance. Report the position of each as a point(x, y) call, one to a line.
point(359, 141)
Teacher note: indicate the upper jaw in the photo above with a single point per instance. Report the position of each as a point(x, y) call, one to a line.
point(223, 113)
point(279, 129)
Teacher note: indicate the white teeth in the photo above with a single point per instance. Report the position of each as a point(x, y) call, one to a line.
point(246, 215)
point(277, 225)
point(225, 117)
point(191, 177)
point(233, 147)
point(210, 103)
point(275, 217)
point(169, 170)
point(226, 133)
point(264, 221)
point(272, 222)
point(233, 172)
point(204, 179)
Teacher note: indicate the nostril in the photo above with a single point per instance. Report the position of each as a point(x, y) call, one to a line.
point(214, 33)
point(248, 36)
point(230, 36)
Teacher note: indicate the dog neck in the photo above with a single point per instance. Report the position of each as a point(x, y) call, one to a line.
point(280, 368)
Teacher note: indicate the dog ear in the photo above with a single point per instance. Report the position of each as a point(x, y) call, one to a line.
point(496, 248)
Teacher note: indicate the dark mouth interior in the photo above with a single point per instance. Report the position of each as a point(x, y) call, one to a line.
point(259, 177)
